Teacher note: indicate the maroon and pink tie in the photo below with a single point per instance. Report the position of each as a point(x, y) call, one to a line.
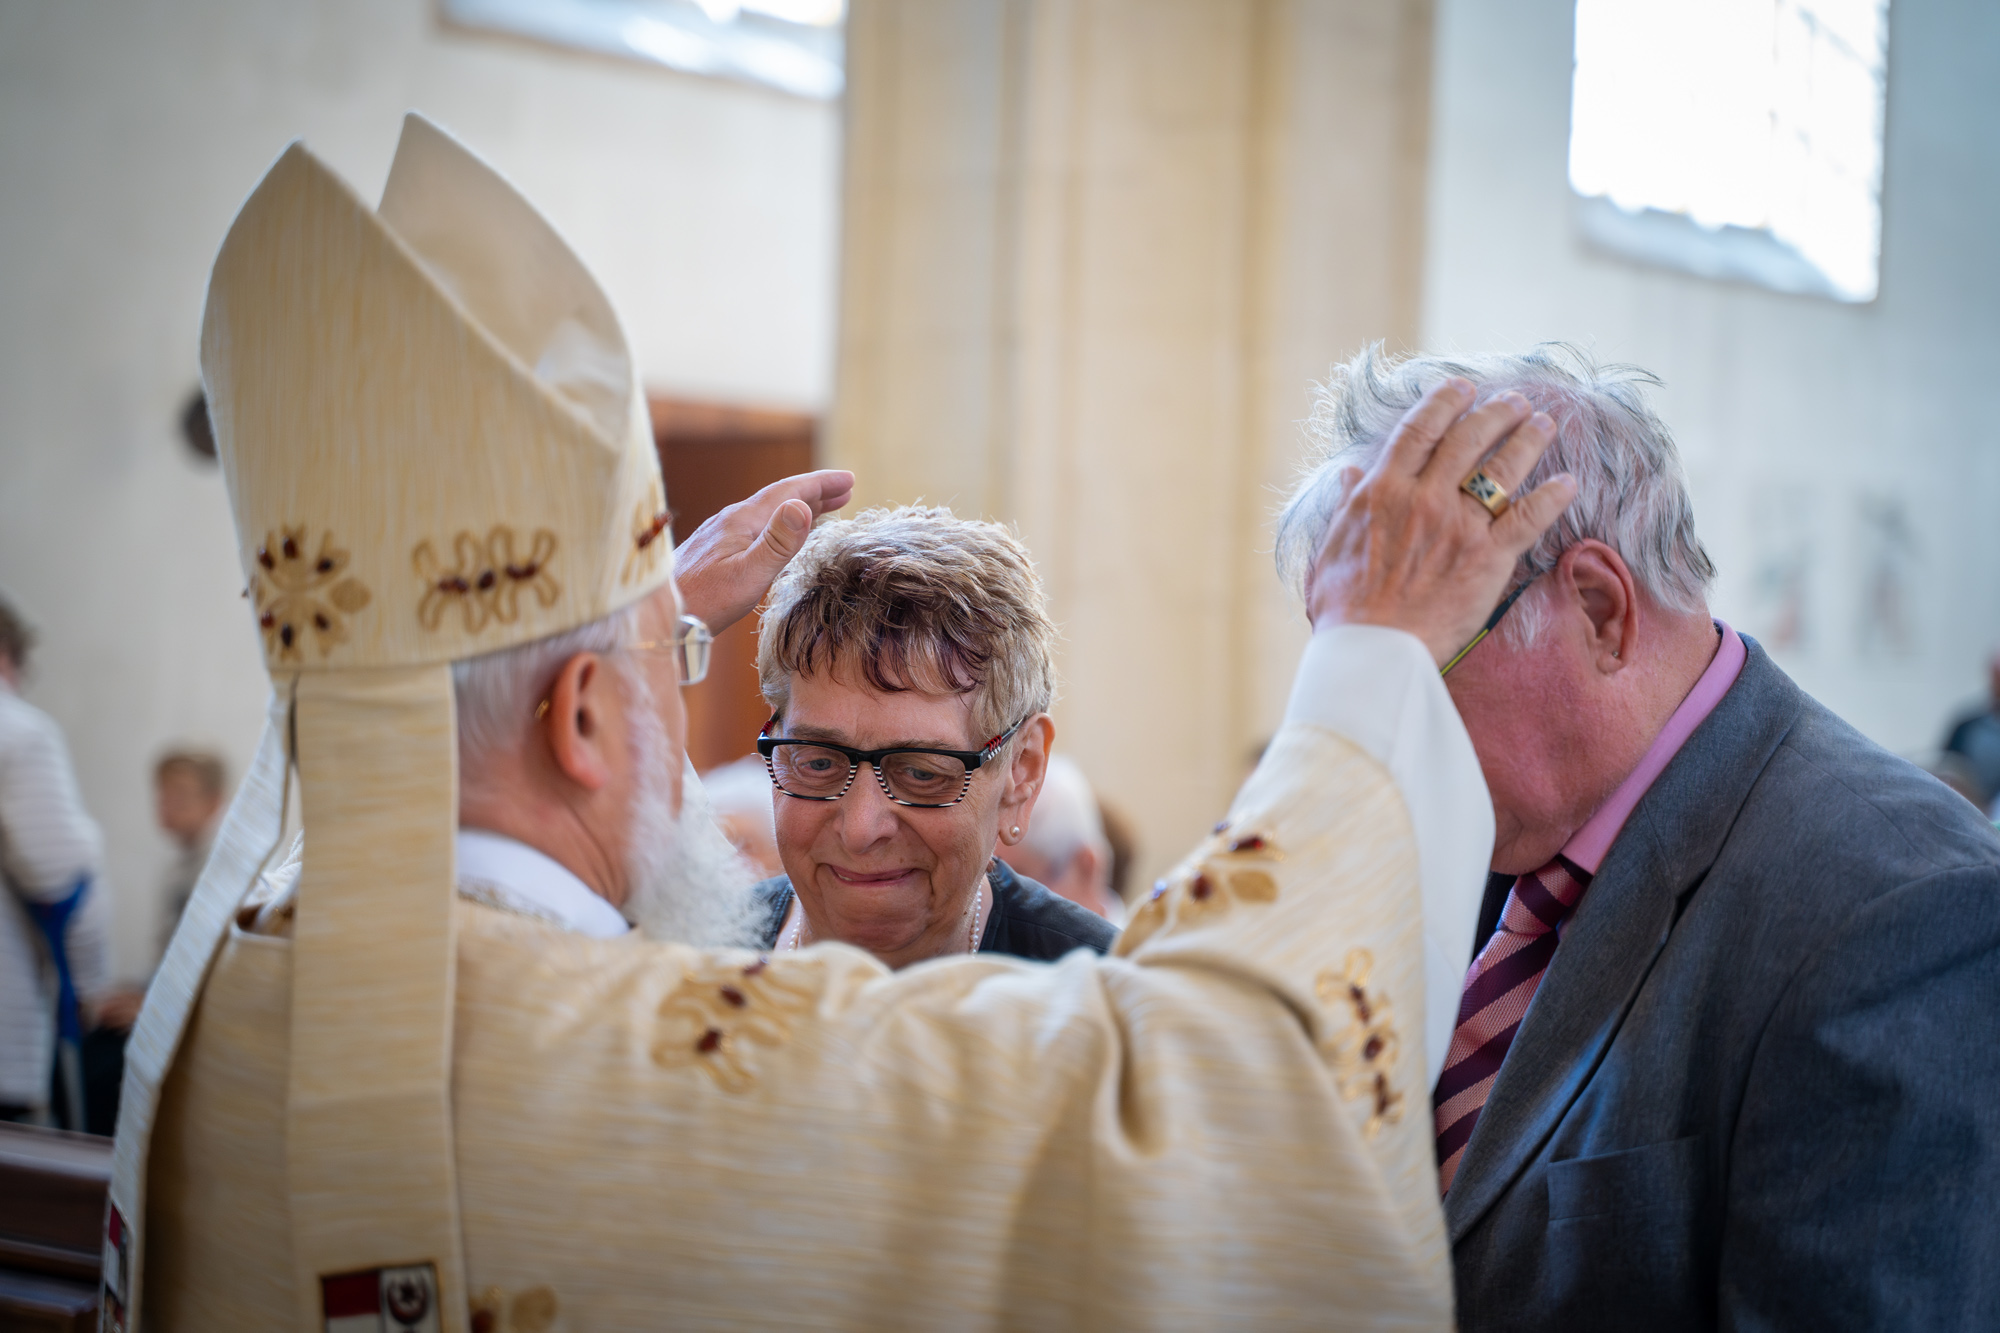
point(1495, 999)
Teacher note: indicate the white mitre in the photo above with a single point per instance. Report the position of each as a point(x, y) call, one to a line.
point(435, 446)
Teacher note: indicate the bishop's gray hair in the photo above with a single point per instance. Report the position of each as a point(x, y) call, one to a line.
point(497, 692)
point(1631, 494)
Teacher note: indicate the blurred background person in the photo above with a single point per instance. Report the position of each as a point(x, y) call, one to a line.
point(54, 953)
point(188, 790)
point(1974, 736)
point(1064, 847)
point(739, 796)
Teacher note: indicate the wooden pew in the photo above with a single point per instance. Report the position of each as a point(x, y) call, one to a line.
point(52, 1191)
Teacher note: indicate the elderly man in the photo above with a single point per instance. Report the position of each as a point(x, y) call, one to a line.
point(1723, 1058)
point(357, 1099)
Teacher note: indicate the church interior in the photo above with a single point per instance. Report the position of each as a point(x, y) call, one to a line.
point(1070, 265)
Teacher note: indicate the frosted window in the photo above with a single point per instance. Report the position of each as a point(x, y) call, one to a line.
point(793, 45)
point(1743, 117)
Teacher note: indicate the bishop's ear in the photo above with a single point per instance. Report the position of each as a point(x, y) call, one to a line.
point(580, 720)
point(1606, 591)
point(1025, 774)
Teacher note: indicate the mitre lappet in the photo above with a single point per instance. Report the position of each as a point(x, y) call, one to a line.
point(435, 445)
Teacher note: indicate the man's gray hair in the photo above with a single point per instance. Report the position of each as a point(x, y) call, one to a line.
point(497, 692)
point(1631, 494)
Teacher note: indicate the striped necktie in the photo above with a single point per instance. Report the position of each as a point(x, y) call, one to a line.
point(1497, 991)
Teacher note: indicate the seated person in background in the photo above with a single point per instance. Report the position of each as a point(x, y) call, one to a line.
point(1976, 736)
point(917, 645)
point(739, 798)
point(1065, 847)
point(188, 790)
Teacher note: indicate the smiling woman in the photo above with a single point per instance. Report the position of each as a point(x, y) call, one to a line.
point(914, 645)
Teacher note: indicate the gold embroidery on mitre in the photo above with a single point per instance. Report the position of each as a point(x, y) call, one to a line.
point(719, 1011)
point(1363, 1050)
point(530, 1311)
point(487, 579)
point(296, 594)
point(650, 521)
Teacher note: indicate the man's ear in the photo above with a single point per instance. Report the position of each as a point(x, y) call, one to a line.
point(1606, 590)
point(1024, 776)
point(582, 710)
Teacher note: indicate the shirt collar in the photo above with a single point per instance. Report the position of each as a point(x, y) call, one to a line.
point(1586, 849)
point(516, 877)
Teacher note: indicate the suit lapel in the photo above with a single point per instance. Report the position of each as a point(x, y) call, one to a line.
point(1619, 929)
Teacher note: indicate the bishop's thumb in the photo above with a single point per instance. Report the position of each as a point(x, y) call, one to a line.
point(786, 532)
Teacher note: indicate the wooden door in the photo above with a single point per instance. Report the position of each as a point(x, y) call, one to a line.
point(712, 456)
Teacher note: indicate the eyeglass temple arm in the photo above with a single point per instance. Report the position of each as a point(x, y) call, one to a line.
point(1491, 622)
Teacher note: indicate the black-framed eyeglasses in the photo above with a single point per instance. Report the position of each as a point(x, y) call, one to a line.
point(1492, 622)
point(690, 646)
point(925, 779)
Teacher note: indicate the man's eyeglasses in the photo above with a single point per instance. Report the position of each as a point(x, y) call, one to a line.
point(925, 779)
point(1492, 622)
point(690, 646)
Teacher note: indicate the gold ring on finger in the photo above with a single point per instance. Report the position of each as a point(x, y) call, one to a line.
point(1487, 491)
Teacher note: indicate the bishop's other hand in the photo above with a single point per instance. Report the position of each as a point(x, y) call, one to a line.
point(727, 564)
point(1410, 550)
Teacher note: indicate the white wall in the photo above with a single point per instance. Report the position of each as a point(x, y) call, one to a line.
point(1799, 418)
point(130, 133)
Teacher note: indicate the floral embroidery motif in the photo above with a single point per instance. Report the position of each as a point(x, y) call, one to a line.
point(530, 1311)
point(1363, 1050)
point(295, 593)
point(719, 1012)
point(650, 521)
point(487, 581)
point(1223, 872)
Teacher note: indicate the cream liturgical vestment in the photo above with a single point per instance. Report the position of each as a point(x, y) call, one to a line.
point(372, 1103)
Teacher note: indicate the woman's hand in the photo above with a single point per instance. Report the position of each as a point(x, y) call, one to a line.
point(1408, 549)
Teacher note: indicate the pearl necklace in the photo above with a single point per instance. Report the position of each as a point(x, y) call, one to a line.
point(971, 939)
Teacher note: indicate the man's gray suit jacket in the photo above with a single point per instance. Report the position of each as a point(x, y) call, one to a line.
point(1759, 1087)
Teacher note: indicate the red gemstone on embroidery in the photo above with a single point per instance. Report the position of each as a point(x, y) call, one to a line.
point(454, 584)
point(322, 622)
point(754, 968)
point(1253, 843)
point(285, 636)
point(518, 573)
point(325, 565)
point(709, 1041)
point(1381, 1095)
point(734, 997)
point(264, 559)
point(1372, 1049)
point(486, 579)
point(1201, 888)
point(1360, 999)
point(291, 549)
point(267, 620)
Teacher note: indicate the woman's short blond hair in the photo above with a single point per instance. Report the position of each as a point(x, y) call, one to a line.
point(915, 598)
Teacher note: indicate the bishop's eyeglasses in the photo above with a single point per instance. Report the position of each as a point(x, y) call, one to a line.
point(913, 776)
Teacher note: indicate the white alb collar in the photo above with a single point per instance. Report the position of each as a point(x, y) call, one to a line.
point(513, 876)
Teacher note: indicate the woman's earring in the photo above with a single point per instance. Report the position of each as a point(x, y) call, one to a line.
point(1015, 833)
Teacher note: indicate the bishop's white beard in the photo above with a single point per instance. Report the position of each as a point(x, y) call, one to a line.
point(688, 882)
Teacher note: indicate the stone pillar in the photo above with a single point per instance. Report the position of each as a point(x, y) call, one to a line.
point(1093, 253)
